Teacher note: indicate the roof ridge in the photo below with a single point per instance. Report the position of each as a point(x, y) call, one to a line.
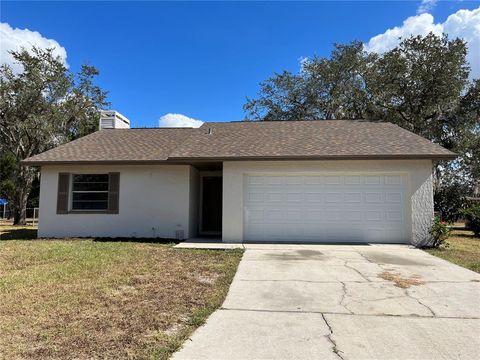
point(290, 121)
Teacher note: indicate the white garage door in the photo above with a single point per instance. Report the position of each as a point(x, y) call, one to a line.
point(325, 208)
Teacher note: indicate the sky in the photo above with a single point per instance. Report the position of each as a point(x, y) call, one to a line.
point(181, 63)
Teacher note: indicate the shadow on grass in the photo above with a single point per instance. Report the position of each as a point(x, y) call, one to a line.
point(18, 234)
point(31, 234)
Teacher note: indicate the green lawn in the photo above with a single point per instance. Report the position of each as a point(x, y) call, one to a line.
point(90, 299)
point(463, 250)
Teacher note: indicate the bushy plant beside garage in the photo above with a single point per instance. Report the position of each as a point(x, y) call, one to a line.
point(472, 217)
point(440, 231)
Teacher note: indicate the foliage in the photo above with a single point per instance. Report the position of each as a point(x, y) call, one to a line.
point(449, 201)
point(463, 249)
point(8, 165)
point(324, 89)
point(421, 85)
point(472, 215)
point(440, 231)
point(41, 107)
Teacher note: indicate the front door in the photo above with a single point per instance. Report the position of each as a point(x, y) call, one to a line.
point(211, 205)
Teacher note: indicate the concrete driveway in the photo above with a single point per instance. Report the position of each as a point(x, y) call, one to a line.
point(343, 302)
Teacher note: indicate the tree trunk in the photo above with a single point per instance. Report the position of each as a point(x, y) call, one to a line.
point(20, 206)
point(24, 185)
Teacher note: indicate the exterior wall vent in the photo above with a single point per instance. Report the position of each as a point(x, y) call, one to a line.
point(111, 119)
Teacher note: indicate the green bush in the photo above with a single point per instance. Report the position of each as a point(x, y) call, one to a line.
point(450, 201)
point(440, 232)
point(472, 215)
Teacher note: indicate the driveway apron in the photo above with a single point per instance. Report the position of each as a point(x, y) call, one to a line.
point(343, 302)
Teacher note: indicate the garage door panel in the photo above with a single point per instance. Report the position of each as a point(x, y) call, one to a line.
point(394, 180)
point(255, 196)
point(373, 197)
point(373, 180)
point(274, 180)
point(325, 208)
point(295, 196)
point(334, 197)
point(312, 180)
point(333, 180)
point(393, 197)
point(314, 197)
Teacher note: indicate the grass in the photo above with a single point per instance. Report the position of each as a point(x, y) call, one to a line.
point(463, 249)
point(82, 298)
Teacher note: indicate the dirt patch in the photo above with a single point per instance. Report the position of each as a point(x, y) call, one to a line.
point(400, 281)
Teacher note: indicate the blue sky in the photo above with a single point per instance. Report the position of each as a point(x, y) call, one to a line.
point(203, 59)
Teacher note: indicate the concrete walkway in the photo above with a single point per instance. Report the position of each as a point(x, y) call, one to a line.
point(341, 302)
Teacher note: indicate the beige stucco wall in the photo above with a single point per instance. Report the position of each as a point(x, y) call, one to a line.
point(419, 188)
point(154, 202)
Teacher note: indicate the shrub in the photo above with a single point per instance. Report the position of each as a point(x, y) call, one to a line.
point(440, 232)
point(472, 215)
point(450, 201)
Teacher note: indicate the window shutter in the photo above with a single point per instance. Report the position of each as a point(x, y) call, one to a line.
point(113, 192)
point(62, 193)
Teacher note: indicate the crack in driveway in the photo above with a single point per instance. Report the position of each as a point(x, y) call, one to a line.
point(338, 309)
point(408, 316)
point(420, 302)
point(357, 271)
point(344, 288)
point(335, 348)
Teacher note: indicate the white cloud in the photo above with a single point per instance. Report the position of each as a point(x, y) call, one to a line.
point(464, 24)
point(414, 25)
point(178, 120)
point(426, 6)
point(15, 39)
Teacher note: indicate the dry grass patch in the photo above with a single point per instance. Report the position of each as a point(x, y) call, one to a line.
point(463, 249)
point(89, 299)
point(400, 281)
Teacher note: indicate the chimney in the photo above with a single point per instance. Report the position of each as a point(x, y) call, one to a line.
point(111, 119)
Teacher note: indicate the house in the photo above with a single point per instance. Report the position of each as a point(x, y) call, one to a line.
point(267, 181)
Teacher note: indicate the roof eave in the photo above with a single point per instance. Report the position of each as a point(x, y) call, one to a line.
point(451, 156)
point(176, 160)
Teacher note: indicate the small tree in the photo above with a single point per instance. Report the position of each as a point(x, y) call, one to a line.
point(41, 107)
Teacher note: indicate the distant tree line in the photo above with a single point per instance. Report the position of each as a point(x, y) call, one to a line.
point(422, 85)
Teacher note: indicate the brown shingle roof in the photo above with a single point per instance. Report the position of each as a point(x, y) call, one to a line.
point(306, 139)
point(117, 145)
point(332, 139)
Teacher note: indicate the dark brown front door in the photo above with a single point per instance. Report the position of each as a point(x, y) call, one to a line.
point(212, 204)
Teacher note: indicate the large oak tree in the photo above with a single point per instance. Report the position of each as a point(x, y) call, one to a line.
point(421, 85)
point(41, 107)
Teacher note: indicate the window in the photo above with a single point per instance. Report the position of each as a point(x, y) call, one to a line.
point(90, 192)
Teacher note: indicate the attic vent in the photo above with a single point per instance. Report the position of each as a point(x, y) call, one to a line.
point(110, 119)
point(209, 131)
point(107, 124)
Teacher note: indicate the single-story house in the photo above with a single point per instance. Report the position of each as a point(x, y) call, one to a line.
point(266, 181)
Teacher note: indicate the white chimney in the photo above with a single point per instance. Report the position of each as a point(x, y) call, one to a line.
point(111, 119)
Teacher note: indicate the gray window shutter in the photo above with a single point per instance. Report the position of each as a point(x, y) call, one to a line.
point(113, 192)
point(62, 193)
